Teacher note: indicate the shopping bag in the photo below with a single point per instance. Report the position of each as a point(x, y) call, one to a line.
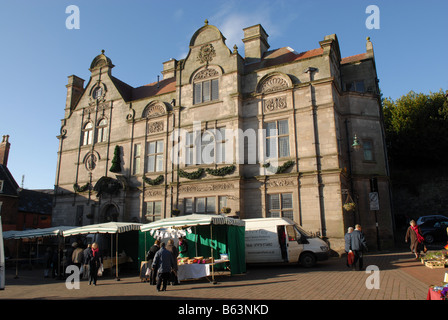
point(350, 258)
point(100, 270)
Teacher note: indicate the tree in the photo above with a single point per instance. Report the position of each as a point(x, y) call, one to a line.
point(116, 161)
point(416, 127)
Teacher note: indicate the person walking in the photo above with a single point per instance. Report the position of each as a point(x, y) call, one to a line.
point(358, 245)
point(164, 262)
point(415, 238)
point(348, 250)
point(86, 252)
point(175, 252)
point(94, 260)
point(77, 255)
point(48, 262)
point(150, 258)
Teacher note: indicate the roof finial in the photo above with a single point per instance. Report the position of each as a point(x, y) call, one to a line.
point(206, 22)
point(102, 51)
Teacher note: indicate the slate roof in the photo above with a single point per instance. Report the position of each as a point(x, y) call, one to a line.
point(36, 201)
point(10, 186)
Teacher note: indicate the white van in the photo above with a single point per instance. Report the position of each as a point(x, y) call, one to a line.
point(271, 240)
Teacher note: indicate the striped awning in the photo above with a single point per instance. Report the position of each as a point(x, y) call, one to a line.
point(192, 220)
point(35, 233)
point(109, 227)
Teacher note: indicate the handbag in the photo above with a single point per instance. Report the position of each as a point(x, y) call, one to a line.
point(100, 270)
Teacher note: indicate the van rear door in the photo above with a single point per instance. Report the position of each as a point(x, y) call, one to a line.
point(295, 248)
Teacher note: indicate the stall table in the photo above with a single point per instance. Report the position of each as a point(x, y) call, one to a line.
point(196, 270)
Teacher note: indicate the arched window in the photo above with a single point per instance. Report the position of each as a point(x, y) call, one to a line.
point(101, 135)
point(206, 86)
point(87, 134)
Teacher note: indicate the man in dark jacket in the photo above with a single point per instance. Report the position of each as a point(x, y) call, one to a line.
point(358, 245)
point(164, 262)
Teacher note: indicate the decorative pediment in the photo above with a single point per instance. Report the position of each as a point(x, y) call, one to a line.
point(273, 83)
point(205, 74)
point(155, 109)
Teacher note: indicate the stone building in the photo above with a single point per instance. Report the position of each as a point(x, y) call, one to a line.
point(267, 134)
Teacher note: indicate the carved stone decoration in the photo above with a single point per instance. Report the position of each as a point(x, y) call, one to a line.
point(281, 183)
point(275, 104)
point(155, 127)
point(273, 84)
point(151, 193)
point(154, 110)
point(208, 187)
point(205, 74)
point(206, 53)
point(90, 162)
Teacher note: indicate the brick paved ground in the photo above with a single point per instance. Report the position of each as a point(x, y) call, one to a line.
point(401, 278)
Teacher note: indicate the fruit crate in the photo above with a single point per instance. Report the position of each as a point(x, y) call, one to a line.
point(435, 264)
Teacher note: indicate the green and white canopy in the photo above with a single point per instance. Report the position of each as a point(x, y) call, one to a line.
point(192, 220)
point(109, 227)
point(35, 233)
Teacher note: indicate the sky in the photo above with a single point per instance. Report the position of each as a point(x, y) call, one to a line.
point(38, 52)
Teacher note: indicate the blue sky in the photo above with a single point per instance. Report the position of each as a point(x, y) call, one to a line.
point(38, 52)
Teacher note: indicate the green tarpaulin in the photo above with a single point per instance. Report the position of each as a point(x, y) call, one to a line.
point(208, 234)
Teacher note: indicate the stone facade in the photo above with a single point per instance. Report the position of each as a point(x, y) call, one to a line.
point(307, 107)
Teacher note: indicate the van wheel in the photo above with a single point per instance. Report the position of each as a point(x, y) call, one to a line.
point(307, 260)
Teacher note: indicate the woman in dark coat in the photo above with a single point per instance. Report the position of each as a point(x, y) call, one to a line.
point(94, 261)
point(414, 235)
point(150, 257)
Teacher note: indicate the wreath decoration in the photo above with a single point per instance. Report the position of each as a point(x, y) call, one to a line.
point(153, 182)
point(191, 175)
point(221, 171)
point(77, 188)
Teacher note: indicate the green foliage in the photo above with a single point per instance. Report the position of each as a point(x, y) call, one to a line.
point(116, 161)
point(153, 182)
point(416, 128)
point(191, 175)
point(221, 171)
point(77, 188)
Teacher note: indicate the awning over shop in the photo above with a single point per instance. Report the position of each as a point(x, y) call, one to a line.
point(192, 220)
point(109, 227)
point(35, 233)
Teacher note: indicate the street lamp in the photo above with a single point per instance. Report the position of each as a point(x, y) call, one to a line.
point(356, 144)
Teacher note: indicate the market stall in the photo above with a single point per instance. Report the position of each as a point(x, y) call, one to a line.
point(34, 234)
point(214, 241)
point(108, 228)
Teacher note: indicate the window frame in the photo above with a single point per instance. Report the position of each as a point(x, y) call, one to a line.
point(277, 136)
point(153, 214)
point(281, 208)
point(87, 134)
point(156, 154)
point(101, 134)
point(366, 142)
point(213, 90)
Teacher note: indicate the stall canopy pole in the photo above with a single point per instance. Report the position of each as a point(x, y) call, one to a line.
point(116, 256)
point(213, 259)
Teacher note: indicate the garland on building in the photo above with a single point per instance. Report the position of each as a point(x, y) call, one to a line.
point(116, 161)
point(221, 171)
point(280, 169)
point(77, 188)
point(285, 166)
point(191, 175)
point(153, 182)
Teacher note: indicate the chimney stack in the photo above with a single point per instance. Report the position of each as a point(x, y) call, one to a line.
point(4, 150)
point(255, 43)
